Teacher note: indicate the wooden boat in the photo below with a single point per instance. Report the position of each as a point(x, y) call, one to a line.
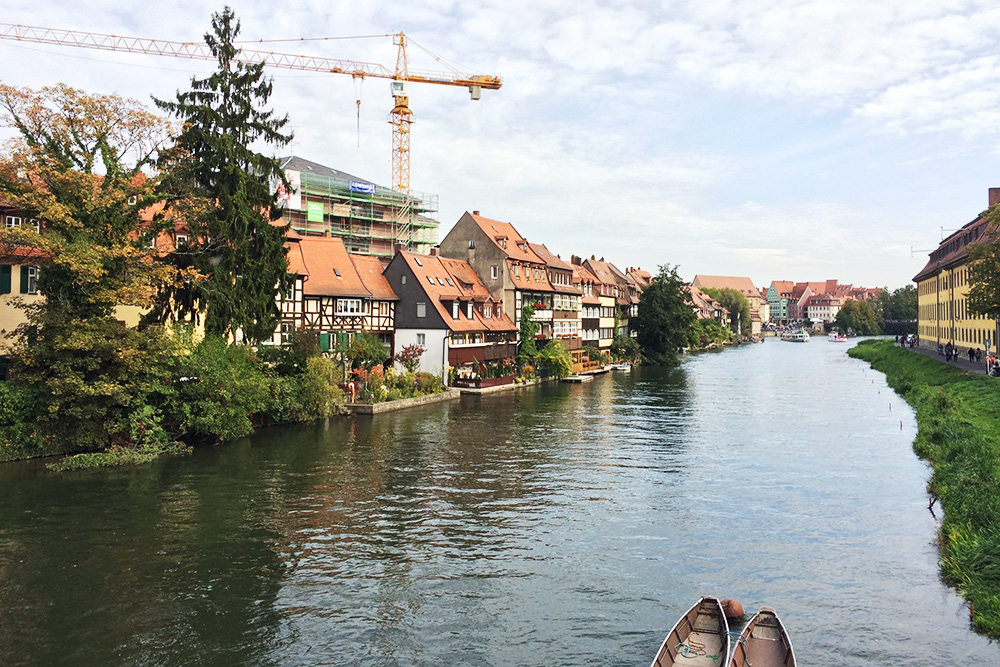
point(763, 643)
point(699, 639)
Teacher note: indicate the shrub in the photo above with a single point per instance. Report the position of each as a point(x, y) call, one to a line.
point(219, 391)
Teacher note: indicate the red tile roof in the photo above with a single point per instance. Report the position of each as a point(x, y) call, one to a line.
point(370, 271)
point(327, 266)
point(507, 239)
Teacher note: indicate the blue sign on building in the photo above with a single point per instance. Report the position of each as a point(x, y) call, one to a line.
point(359, 186)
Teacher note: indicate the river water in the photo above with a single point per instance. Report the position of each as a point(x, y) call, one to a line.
point(562, 524)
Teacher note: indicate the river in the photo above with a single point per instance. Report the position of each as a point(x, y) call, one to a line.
point(561, 524)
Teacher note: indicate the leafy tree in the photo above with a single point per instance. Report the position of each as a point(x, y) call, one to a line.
point(556, 358)
point(984, 274)
point(708, 331)
point(859, 317)
point(625, 348)
point(527, 351)
point(233, 242)
point(666, 315)
point(78, 165)
point(409, 357)
point(738, 306)
point(364, 350)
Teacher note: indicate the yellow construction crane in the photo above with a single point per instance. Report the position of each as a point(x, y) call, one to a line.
point(400, 117)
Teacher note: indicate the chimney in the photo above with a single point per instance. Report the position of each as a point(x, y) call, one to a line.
point(397, 248)
point(994, 196)
point(435, 250)
point(475, 213)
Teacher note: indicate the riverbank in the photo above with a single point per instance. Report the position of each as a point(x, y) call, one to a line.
point(958, 419)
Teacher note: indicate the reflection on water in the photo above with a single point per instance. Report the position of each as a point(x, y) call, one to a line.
point(565, 524)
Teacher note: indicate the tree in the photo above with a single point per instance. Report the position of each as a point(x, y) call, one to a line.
point(78, 166)
point(738, 306)
point(666, 315)
point(232, 242)
point(625, 348)
point(859, 317)
point(984, 274)
point(557, 359)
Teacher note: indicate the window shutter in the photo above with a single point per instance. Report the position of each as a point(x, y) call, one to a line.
point(5, 278)
point(324, 342)
point(24, 280)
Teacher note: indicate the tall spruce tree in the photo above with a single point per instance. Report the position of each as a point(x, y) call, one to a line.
point(233, 245)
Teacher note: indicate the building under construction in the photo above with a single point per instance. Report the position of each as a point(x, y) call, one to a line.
point(371, 219)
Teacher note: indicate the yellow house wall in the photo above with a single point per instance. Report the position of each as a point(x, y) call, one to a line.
point(943, 312)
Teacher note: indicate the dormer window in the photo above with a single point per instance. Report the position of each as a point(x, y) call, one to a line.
point(454, 310)
point(488, 311)
point(468, 310)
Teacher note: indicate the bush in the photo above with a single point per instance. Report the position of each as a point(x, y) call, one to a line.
point(219, 391)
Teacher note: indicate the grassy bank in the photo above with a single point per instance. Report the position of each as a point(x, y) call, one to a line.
point(958, 419)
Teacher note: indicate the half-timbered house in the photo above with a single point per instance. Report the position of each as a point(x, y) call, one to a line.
point(335, 293)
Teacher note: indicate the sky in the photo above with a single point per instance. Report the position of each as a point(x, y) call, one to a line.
point(780, 139)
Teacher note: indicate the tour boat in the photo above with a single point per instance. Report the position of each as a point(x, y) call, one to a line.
point(836, 337)
point(699, 639)
point(799, 336)
point(763, 643)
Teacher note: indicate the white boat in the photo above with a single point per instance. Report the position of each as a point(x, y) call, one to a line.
point(799, 336)
point(621, 367)
point(836, 337)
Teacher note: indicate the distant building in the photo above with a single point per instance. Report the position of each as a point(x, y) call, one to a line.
point(743, 285)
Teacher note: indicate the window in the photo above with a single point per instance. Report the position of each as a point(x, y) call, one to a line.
point(472, 245)
point(13, 221)
point(421, 309)
point(454, 310)
point(402, 280)
point(468, 310)
point(336, 272)
point(440, 282)
point(421, 339)
point(180, 240)
point(29, 280)
point(494, 272)
point(450, 284)
point(488, 311)
point(417, 260)
point(430, 280)
point(36, 223)
point(348, 306)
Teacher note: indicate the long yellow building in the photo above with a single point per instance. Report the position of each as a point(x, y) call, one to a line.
point(943, 286)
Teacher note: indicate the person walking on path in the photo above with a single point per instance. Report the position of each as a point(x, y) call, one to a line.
point(972, 356)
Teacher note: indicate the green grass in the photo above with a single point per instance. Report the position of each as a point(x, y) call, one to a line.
point(958, 420)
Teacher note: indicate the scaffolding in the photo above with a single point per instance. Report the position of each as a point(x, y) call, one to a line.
point(371, 219)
